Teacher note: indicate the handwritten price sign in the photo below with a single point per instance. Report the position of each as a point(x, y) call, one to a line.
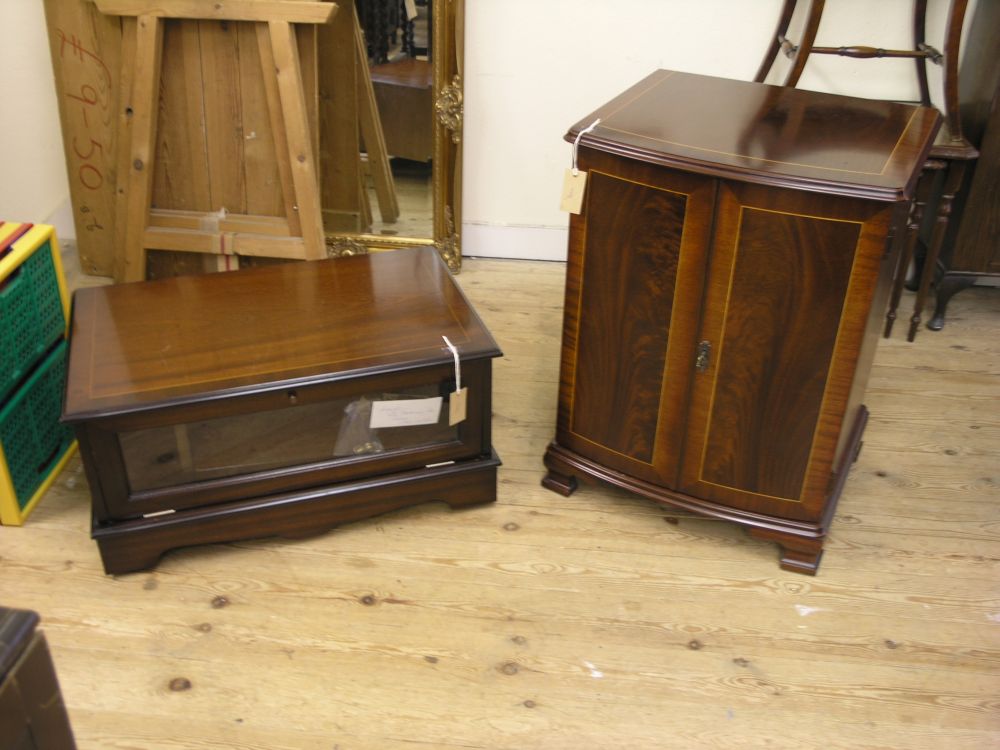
point(94, 102)
point(85, 55)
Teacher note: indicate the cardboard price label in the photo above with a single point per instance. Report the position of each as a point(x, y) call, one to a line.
point(574, 187)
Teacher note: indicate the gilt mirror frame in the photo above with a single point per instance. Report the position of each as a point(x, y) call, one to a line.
point(448, 39)
point(182, 185)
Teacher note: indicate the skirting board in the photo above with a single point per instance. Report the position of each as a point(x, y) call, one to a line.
point(61, 220)
point(478, 240)
point(521, 242)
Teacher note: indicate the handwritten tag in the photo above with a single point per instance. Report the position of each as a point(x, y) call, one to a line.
point(457, 402)
point(406, 412)
point(574, 186)
point(411, 9)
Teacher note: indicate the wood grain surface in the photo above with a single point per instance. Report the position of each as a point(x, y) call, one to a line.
point(771, 135)
point(86, 63)
point(193, 336)
point(769, 410)
point(596, 621)
point(635, 274)
point(778, 345)
point(644, 225)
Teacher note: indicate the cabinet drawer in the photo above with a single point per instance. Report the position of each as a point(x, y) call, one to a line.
point(289, 438)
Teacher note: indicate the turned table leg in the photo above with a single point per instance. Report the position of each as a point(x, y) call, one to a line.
point(952, 181)
point(912, 236)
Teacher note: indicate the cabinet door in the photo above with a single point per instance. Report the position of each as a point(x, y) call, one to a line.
point(788, 297)
point(634, 282)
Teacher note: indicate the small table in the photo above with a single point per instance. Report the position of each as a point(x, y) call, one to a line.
point(281, 400)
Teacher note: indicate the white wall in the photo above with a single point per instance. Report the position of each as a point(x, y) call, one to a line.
point(533, 67)
point(34, 187)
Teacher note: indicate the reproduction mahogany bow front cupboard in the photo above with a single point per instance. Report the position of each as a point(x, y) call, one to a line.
point(727, 278)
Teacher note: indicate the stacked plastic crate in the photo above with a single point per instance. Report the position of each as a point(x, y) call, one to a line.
point(34, 312)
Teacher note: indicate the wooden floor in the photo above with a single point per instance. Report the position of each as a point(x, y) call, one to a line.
point(598, 621)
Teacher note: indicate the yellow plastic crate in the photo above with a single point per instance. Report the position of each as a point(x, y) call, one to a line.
point(34, 315)
point(34, 444)
point(34, 301)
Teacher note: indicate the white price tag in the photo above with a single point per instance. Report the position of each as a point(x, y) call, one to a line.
point(406, 412)
point(411, 9)
point(458, 399)
point(575, 181)
point(574, 187)
point(457, 406)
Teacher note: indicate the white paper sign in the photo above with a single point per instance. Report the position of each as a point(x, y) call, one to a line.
point(405, 412)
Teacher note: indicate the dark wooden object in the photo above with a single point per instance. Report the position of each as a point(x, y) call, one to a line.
point(383, 23)
point(404, 91)
point(921, 52)
point(229, 406)
point(32, 713)
point(724, 293)
point(971, 250)
point(952, 151)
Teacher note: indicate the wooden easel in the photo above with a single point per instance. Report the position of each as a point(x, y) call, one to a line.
point(371, 131)
point(299, 234)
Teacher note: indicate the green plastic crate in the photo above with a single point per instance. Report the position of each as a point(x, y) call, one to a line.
point(34, 445)
point(33, 305)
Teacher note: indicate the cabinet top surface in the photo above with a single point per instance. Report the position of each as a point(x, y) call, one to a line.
point(769, 134)
point(135, 346)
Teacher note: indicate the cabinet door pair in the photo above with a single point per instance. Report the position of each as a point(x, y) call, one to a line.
point(712, 331)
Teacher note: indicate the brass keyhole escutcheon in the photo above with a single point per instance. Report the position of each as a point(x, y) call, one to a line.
point(702, 355)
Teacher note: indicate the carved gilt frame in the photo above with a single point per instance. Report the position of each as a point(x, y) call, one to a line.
point(446, 180)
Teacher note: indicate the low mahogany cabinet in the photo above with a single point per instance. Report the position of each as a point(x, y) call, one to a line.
point(726, 281)
point(281, 400)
